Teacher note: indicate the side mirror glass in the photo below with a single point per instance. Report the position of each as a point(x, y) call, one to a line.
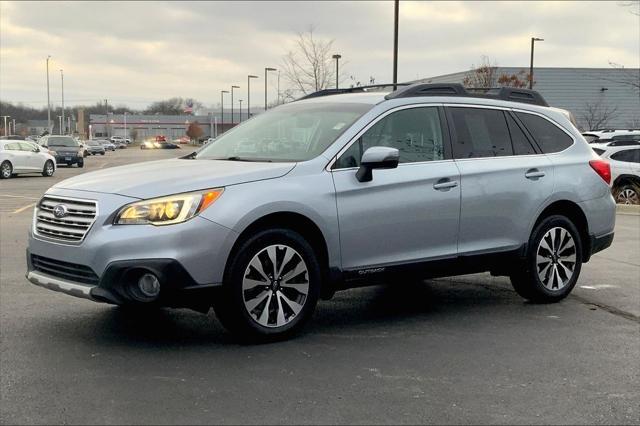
point(377, 157)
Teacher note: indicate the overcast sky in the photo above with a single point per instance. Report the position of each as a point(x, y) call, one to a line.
point(135, 52)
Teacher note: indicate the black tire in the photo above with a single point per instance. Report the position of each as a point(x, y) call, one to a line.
point(6, 170)
point(526, 280)
point(102, 153)
point(48, 169)
point(229, 303)
point(627, 193)
point(81, 163)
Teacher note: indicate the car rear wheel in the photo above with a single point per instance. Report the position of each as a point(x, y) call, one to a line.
point(81, 163)
point(6, 170)
point(271, 286)
point(48, 169)
point(553, 262)
point(628, 194)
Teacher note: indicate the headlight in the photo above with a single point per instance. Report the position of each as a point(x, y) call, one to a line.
point(167, 210)
point(52, 152)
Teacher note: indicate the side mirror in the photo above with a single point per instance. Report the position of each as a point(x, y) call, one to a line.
point(36, 149)
point(377, 157)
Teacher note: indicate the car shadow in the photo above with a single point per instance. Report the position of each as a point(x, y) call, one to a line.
point(386, 308)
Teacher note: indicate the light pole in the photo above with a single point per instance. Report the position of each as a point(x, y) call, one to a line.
point(125, 126)
point(222, 92)
point(5, 124)
point(62, 80)
point(232, 87)
point(60, 124)
point(533, 40)
point(48, 99)
point(395, 44)
point(265, 85)
point(249, 77)
point(240, 109)
point(337, 58)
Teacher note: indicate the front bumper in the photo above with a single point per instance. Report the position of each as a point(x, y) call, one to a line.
point(62, 158)
point(192, 255)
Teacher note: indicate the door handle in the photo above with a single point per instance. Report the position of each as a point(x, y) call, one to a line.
point(534, 174)
point(445, 184)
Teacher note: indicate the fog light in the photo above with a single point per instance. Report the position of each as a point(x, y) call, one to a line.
point(149, 285)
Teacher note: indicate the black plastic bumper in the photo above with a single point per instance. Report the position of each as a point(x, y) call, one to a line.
point(599, 243)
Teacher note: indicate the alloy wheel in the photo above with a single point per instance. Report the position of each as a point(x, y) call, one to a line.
point(49, 169)
point(556, 259)
point(628, 196)
point(6, 171)
point(275, 286)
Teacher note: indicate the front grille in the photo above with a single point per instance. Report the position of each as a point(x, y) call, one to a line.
point(73, 226)
point(65, 270)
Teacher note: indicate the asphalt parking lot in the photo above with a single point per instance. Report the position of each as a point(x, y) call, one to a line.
point(456, 350)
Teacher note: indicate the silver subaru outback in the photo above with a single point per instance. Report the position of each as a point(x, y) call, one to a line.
point(339, 189)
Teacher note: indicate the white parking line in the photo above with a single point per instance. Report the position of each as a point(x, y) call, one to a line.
point(21, 209)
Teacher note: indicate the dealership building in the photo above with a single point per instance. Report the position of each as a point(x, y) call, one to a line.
point(150, 126)
point(586, 92)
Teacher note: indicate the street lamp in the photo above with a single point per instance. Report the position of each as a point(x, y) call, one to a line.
point(249, 77)
point(62, 79)
point(48, 99)
point(240, 110)
point(232, 87)
point(60, 124)
point(222, 92)
point(533, 40)
point(125, 126)
point(337, 58)
point(265, 85)
point(395, 43)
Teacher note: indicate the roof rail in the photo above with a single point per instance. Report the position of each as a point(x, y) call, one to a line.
point(356, 89)
point(455, 89)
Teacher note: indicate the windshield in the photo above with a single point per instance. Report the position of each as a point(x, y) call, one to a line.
point(293, 132)
point(93, 143)
point(62, 141)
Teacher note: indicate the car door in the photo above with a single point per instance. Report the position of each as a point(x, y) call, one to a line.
point(625, 162)
point(403, 215)
point(504, 178)
point(18, 158)
point(33, 160)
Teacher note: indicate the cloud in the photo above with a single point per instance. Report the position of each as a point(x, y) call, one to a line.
point(137, 52)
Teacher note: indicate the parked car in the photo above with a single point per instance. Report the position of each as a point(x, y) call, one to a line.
point(161, 138)
point(94, 147)
point(159, 145)
point(603, 136)
point(18, 157)
point(624, 157)
point(332, 192)
point(12, 138)
point(117, 139)
point(108, 145)
point(64, 148)
point(121, 145)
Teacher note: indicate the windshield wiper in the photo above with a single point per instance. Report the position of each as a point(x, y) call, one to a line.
point(236, 158)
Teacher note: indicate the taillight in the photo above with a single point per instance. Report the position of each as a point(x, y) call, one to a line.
point(602, 168)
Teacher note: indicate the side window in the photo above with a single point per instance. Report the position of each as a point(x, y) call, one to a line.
point(521, 144)
point(628, 156)
point(25, 146)
point(480, 133)
point(548, 136)
point(12, 146)
point(414, 132)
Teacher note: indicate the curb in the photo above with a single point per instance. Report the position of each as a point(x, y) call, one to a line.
point(628, 209)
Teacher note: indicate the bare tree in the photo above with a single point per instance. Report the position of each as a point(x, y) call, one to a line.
point(597, 116)
point(519, 79)
point(310, 67)
point(483, 76)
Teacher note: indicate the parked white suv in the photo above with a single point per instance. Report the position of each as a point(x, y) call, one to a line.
point(624, 158)
point(119, 139)
point(17, 157)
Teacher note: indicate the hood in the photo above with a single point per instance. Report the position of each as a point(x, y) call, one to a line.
point(165, 177)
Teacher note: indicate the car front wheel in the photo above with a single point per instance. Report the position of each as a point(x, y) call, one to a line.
point(553, 261)
point(271, 286)
point(81, 163)
point(48, 169)
point(6, 170)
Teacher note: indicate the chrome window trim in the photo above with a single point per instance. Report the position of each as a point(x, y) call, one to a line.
point(56, 241)
point(372, 123)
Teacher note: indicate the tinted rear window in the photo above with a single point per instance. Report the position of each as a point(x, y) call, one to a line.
point(61, 141)
point(628, 156)
point(480, 133)
point(598, 151)
point(521, 144)
point(550, 138)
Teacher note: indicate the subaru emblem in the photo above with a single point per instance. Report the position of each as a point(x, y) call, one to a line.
point(60, 211)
